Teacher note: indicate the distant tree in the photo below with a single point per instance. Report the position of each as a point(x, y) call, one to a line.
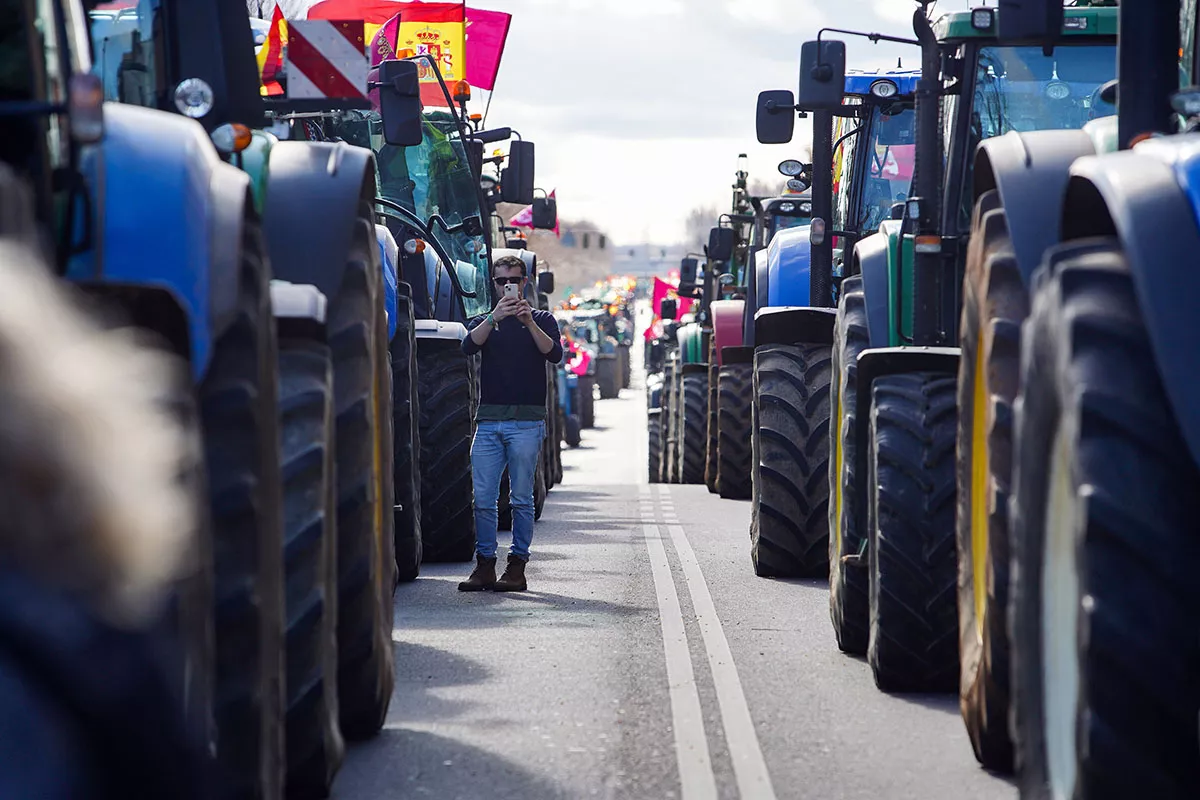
point(697, 225)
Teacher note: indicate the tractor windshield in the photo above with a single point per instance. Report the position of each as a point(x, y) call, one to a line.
point(1022, 89)
point(130, 51)
point(434, 177)
point(889, 168)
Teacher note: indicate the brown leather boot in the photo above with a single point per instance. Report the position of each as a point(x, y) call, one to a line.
point(513, 579)
point(483, 576)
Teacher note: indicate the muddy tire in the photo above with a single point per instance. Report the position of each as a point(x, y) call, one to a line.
point(913, 644)
point(448, 399)
point(366, 566)
point(693, 426)
point(1098, 452)
point(995, 303)
point(849, 580)
point(407, 441)
point(712, 439)
point(735, 398)
point(314, 739)
point(238, 410)
point(789, 524)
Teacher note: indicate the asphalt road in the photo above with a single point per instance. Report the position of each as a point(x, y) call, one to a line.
point(646, 661)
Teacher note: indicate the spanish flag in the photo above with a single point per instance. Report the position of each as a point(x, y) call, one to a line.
point(436, 30)
point(270, 57)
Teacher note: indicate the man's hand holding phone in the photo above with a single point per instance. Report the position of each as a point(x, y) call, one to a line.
point(507, 307)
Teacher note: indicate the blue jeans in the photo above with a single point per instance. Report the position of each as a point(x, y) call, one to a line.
point(497, 444)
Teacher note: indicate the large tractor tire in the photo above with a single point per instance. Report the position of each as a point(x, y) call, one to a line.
point(626, 365)
point(913, 645)
point(448, 398)
point(849, 581)
point(995, 303)
point(712, 439)
point(573, 431)
point(314, 738)
point(239, 418)
point(669, 425)
point(587, 401)
point(608, 376)
point(1104, 597)
point(692, 417)
point(366, 564)
point(407, 438)
point(789, 526)
point(735, 398)
point(654, 445)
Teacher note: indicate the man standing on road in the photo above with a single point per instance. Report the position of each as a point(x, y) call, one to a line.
point(516, 341)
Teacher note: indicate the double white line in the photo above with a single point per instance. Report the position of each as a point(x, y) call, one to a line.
point(697, 781)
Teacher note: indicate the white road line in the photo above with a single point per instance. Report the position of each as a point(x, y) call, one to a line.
point(696, 779)
point(749, 766)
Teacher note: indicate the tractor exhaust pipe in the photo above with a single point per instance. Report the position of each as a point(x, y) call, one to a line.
point(927, 188)
point(820, 276)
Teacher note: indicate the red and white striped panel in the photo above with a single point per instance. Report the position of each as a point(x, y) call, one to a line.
point(326, 59)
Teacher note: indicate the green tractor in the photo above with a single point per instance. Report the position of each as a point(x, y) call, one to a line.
point(893, 442)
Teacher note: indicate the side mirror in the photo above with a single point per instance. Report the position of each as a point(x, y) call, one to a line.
point(898, 211)
point(776, 120)
point(1029, 19)
point(516, 181)
point(668, 309)
point(545, 213)
point(400, 103)
point(688, 268)
point(545, 282)
point(822, 75)
point(721, 242)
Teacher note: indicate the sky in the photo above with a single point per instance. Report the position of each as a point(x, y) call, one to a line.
point(639, 108)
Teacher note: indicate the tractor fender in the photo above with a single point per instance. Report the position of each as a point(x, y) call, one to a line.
point(1150, 199)
point(688, 338)
point(870, 260)
point(727, 324)
point(168, 215)
point(316, 193)
point(1030, 171)
point(794, 326)
point(789, 261)
point(876, 363)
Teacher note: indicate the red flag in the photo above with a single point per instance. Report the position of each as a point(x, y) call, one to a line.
point(383, 43)
point(487, 32)
point(523, 218)
point(270, 58)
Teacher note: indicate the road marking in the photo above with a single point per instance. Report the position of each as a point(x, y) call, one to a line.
point(749, 766)
point(696, 779)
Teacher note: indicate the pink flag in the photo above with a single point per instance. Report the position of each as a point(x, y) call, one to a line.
point(523, 218)
point(486, 35)
point(383, 44)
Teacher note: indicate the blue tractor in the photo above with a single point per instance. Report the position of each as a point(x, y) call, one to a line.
point(862, 155)
point(1096, 238)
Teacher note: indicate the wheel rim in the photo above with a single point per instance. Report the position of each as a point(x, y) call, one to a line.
point(979, 484)
point(1060, 618)
point(838, 461)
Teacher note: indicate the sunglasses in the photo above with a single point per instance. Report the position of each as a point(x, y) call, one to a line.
point(505, 281)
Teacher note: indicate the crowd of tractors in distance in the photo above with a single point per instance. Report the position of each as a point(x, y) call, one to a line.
point(313, 262)
point(953, 371)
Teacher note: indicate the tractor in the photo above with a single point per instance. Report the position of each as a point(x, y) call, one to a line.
point(1084, 440)
point(319, 230)
point(862, 154)
point(895, 573)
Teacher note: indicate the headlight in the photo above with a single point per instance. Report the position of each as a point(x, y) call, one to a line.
point(884, 89)
point(1058, 91)
point(194, 98)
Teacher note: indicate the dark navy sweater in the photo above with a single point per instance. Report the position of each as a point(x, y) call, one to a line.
point(512, 371)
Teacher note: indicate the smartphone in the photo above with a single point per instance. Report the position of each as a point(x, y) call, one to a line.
point(512, 290)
